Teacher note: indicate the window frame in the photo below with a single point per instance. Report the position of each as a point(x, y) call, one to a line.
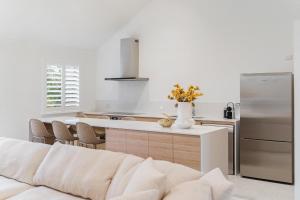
point(62, 108)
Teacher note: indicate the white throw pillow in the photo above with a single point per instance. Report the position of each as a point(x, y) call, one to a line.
point(20, 159)
point(144, 195)
point(146, 177)
point(123, 175)
point(192, 190)
point(175, 173)
point(221, 187)
point(78, 171)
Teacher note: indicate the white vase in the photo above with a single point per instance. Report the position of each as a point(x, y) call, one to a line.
point(184, 115)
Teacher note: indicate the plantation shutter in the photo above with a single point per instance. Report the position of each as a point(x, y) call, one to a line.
point(54, 86)
point(72, 98)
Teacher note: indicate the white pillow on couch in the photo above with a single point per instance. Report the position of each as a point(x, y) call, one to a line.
point(212, 186)
point(192, 190)
point(123, 175)
point(175, 174)
point(78, 171)
point(221, 187)
point(20, 159)
point(146, 177)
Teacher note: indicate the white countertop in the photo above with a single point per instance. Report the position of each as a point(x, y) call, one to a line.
point(196, 130)
point(159, 116)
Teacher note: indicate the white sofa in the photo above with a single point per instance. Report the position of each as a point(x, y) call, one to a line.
point(32, 171)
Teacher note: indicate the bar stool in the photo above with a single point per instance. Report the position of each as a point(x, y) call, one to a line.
point(100, 132)
point(72, 128)
point(40, 132)
point(62, 133)
point(87, 135)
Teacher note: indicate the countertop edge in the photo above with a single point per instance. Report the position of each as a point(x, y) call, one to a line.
point(159, 116)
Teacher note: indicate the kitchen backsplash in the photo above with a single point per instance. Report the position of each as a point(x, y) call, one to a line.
point(201, 109)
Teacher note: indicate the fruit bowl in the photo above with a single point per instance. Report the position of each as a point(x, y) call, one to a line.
point(166, 123)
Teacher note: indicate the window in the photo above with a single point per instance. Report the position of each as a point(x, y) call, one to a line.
point(54, 86)
point(71, 86)
point(62, 86)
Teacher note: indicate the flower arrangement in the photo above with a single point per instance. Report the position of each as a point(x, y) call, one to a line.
point(180, 95)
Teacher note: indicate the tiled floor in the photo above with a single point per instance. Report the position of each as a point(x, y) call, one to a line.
point(251, 189)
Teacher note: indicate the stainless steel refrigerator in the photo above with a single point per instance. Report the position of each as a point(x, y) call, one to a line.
point(266, 126)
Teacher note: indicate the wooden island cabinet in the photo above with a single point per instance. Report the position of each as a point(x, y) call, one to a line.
point(200, 152)
point(182, 149)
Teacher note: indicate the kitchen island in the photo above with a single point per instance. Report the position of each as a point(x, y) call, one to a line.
point(231, 124)
point(201, 147)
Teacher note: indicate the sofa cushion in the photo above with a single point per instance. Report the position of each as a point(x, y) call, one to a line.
point(20, 159)
point(11, 187)
point(146, 177)
point(44, 193)
point(123, 175)
point(78, 171)
point(175, 173)
point(190, 190)
point(144, 195)
point(221, 187)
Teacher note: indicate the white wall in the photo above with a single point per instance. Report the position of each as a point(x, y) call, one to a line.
point(208, 43)
point(22, 81)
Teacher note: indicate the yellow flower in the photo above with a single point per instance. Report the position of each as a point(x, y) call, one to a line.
point(180, 95)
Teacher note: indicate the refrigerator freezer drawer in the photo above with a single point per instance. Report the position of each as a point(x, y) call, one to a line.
point(267, 160)
point(277, 129)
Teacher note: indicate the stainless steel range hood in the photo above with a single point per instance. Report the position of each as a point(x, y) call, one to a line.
point(129, 62)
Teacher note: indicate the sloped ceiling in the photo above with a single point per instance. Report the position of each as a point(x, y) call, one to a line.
point(80, 23)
